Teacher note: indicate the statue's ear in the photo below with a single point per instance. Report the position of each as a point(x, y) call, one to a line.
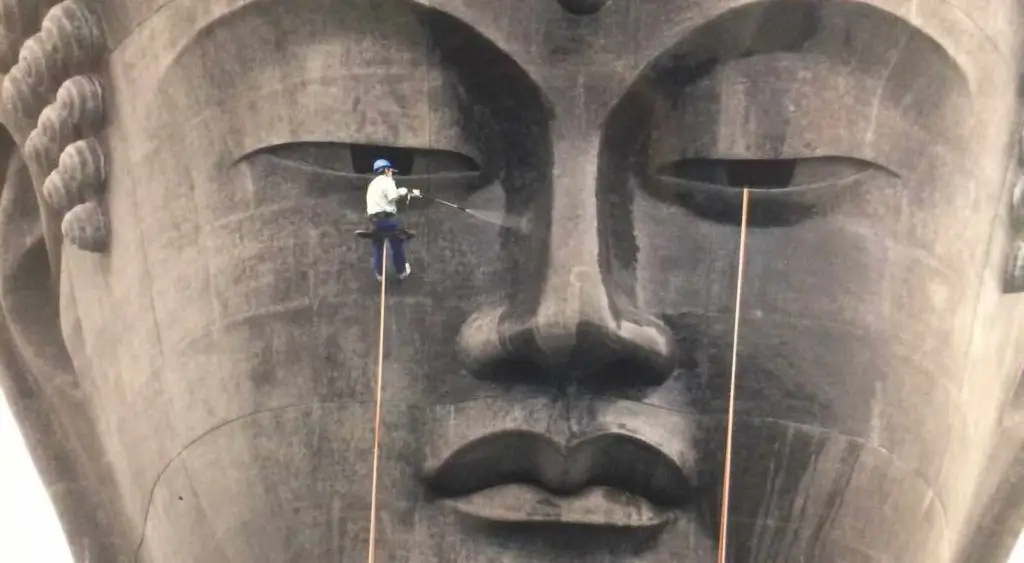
point(996, 525)
point(37, 376)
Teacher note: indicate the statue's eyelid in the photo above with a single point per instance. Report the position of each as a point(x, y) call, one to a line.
point(784, 203)
point(354, 159)
point(769, 173)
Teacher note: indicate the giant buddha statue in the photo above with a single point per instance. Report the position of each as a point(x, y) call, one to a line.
point(763, 248)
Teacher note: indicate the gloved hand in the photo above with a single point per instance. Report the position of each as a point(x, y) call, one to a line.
point(416, 193)
point(402, 192)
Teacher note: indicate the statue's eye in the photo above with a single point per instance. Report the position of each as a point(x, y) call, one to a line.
point(782, 191)
point(342, 170)
point(764, 174)
point(345, 158)
point(413, 161)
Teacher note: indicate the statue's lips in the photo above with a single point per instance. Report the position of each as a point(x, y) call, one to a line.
point(605, 479)
point(594, 506)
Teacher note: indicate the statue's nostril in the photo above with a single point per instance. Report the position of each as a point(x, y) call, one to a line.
point(582, 7)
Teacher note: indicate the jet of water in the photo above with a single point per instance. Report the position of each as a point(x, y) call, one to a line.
point(494, 217)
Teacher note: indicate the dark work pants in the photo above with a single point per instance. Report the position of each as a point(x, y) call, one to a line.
point(396, 246)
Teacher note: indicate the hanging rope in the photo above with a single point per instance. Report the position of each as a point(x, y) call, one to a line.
point(376, 421)
point(724, 529)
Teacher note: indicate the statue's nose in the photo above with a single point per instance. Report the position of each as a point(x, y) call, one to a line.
point(575, 323)
point(576, 332)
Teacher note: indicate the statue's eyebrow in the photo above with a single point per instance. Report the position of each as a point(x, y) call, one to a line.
point(244, 15)
point(482, 60)
point(745, 31)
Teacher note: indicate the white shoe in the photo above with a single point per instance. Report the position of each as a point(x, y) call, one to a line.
point(408, 270)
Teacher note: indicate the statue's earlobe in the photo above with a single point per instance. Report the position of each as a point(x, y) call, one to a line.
point(53, 103)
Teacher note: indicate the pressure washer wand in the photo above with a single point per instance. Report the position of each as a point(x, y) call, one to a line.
point(416, 194)
point(489, 217)
point(448, 203)
point(420, 195)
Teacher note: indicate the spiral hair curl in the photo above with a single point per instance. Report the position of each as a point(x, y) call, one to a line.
point(54, 101)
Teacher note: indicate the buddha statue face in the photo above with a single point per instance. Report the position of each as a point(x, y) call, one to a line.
point(192, 328)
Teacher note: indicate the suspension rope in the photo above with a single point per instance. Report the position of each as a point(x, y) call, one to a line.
point(376, 423)
point(724, 529)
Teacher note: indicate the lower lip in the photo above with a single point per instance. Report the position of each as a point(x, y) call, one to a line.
point(595, 506)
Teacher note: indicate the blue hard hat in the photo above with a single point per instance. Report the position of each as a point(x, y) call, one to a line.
point(381, 164)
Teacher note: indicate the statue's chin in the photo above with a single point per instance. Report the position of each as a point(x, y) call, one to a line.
point(594, 506)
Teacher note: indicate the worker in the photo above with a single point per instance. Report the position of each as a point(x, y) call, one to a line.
point(382, 196)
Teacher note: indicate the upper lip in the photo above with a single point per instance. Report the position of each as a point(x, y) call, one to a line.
point(474, 447)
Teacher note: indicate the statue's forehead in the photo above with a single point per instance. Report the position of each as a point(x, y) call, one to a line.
point(544, 40)
point(642, 27)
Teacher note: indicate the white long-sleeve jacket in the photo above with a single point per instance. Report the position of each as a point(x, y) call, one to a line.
point(381, 195)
